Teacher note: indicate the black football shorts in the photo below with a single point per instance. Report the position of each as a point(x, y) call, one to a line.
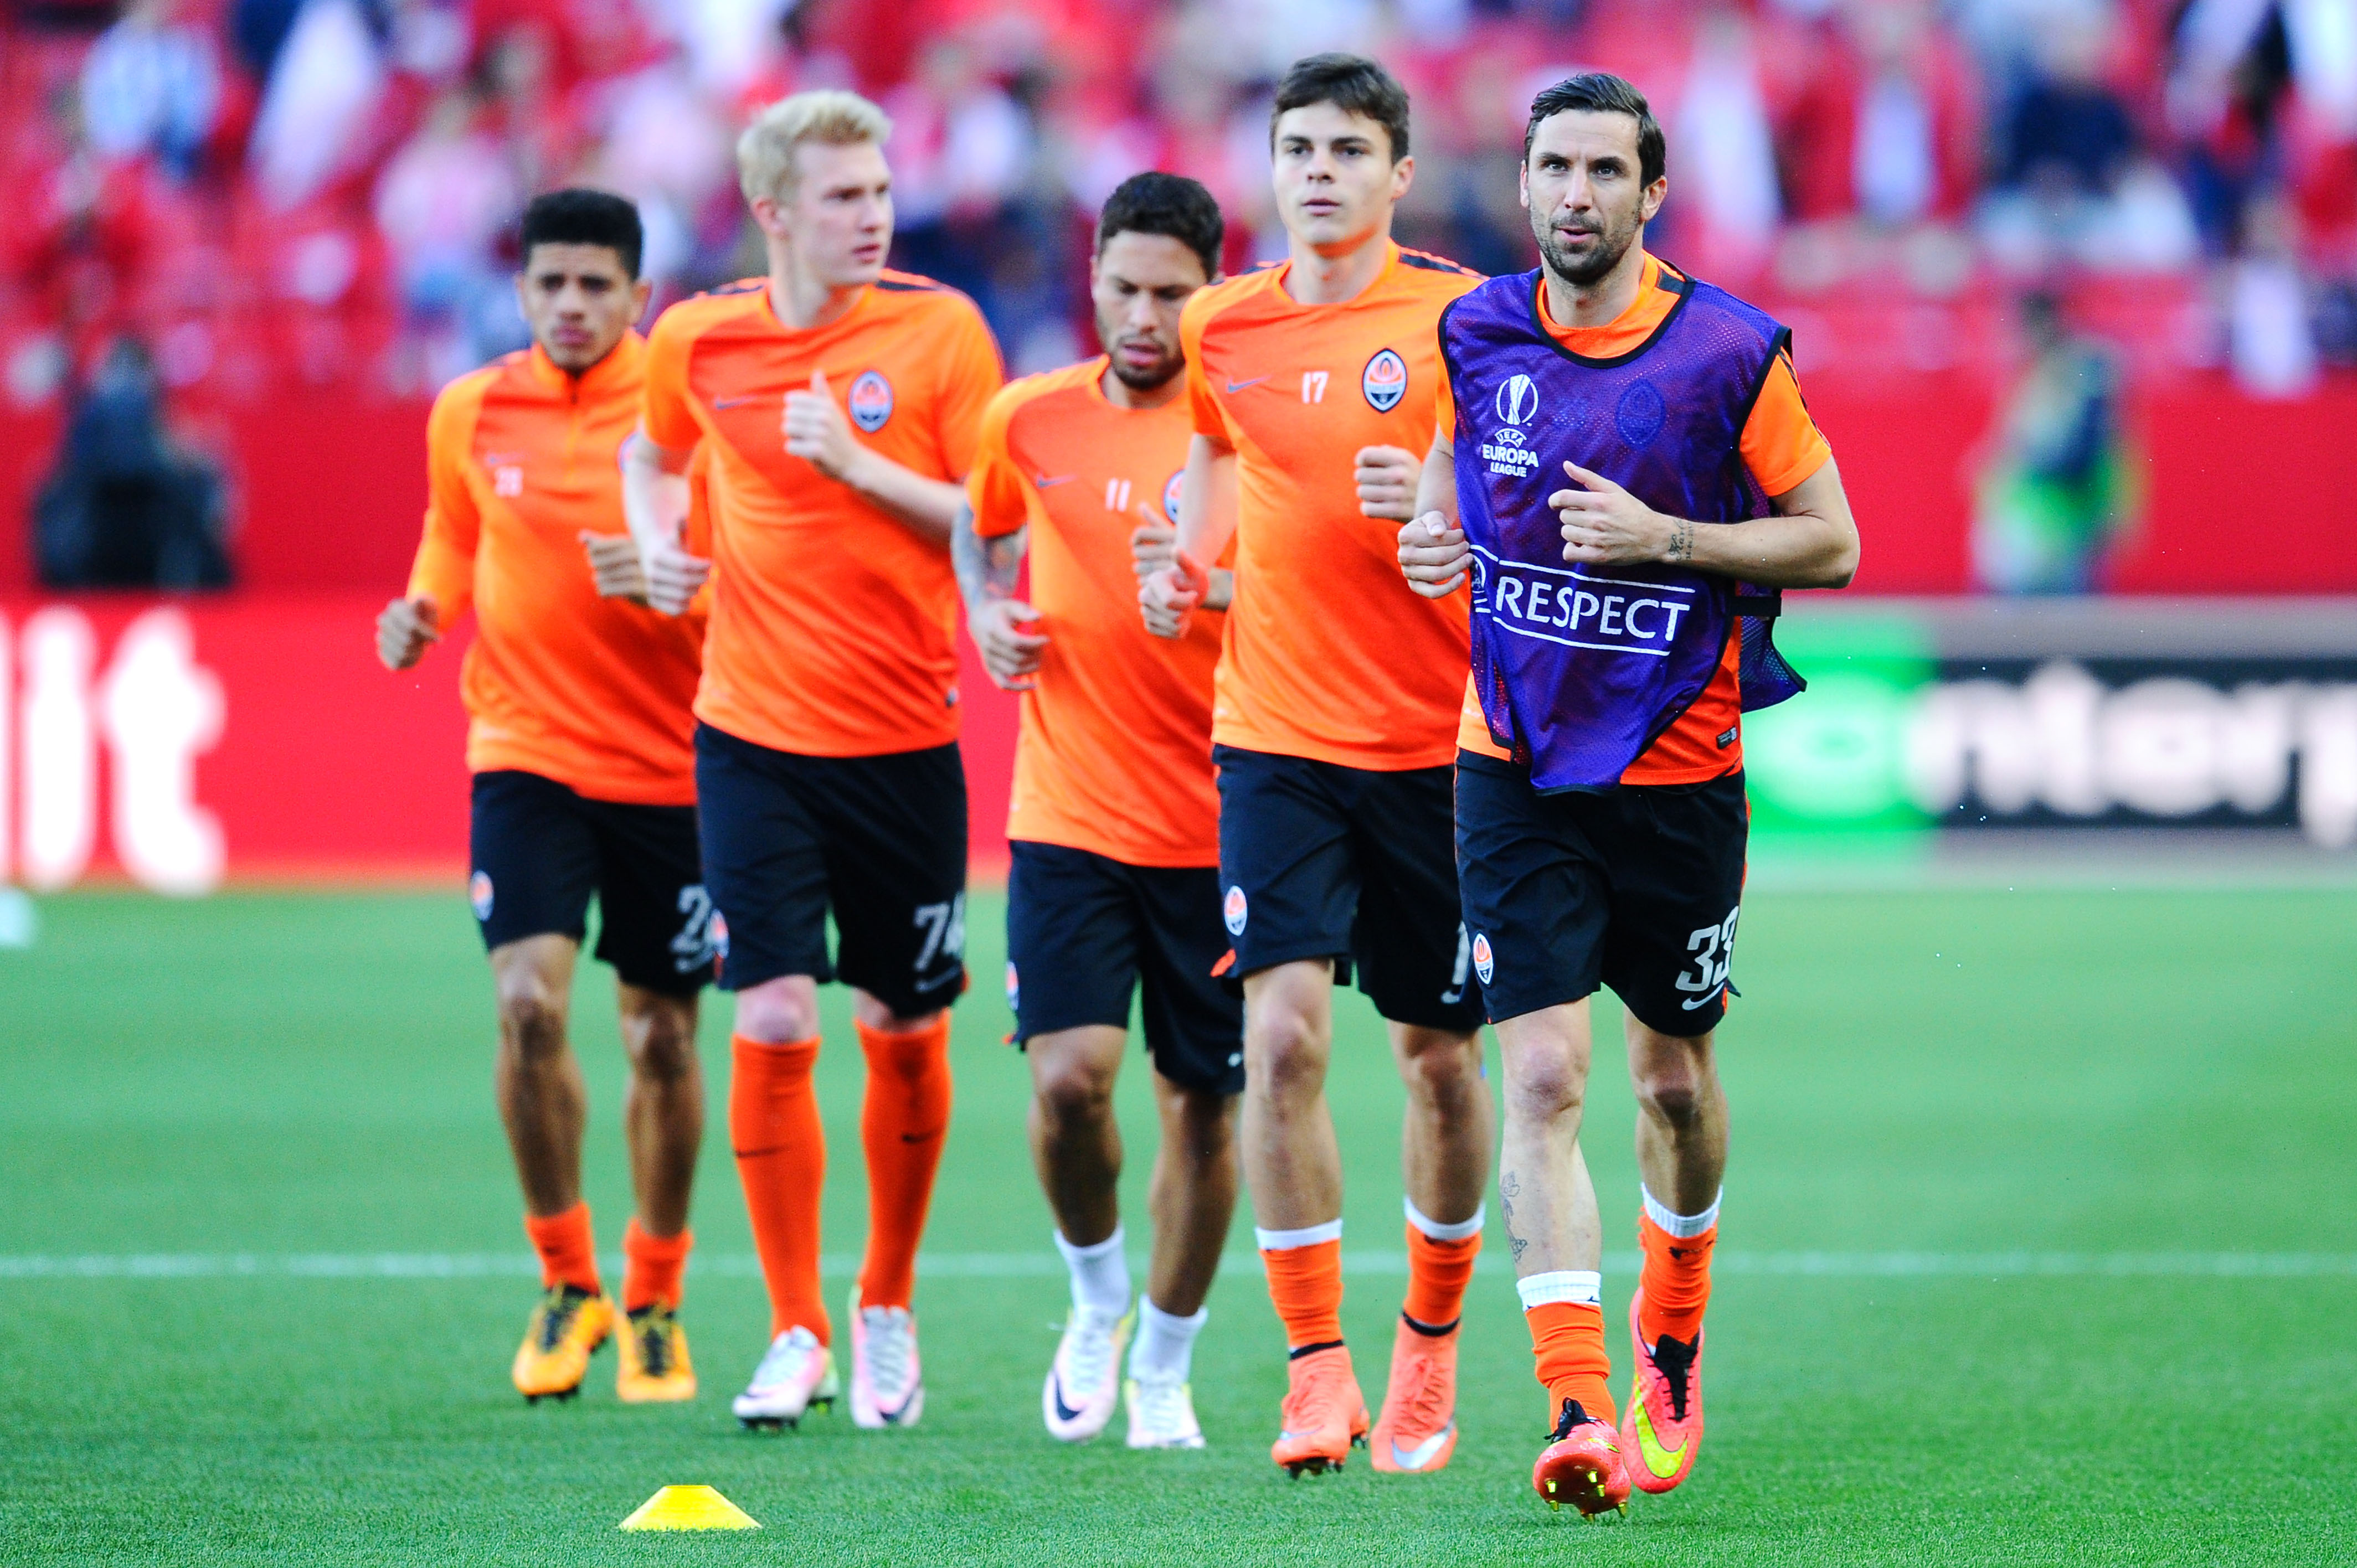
point(540, 851)
point(878, 841)
point(1636, 888)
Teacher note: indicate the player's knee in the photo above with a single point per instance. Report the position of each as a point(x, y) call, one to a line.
point(1073, 1092)
point(1438, 1066)
point(662, 1041)
point(1544, 1085)
point(531, 1014)
point(1284, 1055)
point(1671, 1096)
point(778, 1012)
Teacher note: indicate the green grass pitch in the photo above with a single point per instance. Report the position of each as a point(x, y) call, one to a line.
point(2128, 1079)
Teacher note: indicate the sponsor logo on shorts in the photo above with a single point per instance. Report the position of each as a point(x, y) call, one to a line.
point(1484, 964)
point(1384, 380)
point(1170, 495)
point(1233, 911)
point(871, 401)
point(479, 893)
point(1014, 985)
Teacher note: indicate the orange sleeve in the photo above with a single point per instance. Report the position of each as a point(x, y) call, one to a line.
point(1210, 418)
point(445, 568)
point(667, 411)
point(1782, 443)
point(994, 485)
point(1444, 406)
point(971, 376)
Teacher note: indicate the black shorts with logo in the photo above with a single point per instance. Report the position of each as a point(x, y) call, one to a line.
point(1636, 888)
point(1083, 930)
point(878, 841)
point(1319, 860)
point(540, 850)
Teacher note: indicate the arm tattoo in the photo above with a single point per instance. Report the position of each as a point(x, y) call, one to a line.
point(986, 568)
point(1681, 540)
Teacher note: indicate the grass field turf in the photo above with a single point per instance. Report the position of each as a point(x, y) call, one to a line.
point(1940, 1072)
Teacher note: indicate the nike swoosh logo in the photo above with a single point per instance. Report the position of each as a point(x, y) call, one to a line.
point(893, 1416)
point(1451, 998)
point(1415, 1458)
point(1049, 481)
point(1239, 386)
point(1064, 1411)
point(731, 402)
point(937, 982)
point(1662, 1462)
point(1706, 1000)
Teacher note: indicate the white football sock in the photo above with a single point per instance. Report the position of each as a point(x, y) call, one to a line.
point(1582, 1287)
point(1683, 1226)
point(1099, 1274)
point(1165, 1343)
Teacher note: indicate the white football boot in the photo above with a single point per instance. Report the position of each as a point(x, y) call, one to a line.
point(1162, 1412)
point(1083, 1384)
point(797, 1373)
point(888, 1382)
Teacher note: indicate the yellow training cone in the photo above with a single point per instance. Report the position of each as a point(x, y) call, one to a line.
point(690, 1508)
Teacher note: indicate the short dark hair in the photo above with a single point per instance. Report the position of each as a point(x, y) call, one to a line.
point(578, 217)
point(1352, 84)
point(1601, 93)
point(1167, 204)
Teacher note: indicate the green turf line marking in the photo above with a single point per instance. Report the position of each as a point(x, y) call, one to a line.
point(1007, 1265)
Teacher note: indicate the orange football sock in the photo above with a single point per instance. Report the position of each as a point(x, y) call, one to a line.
point(652, 1267)
point(903, 1123)
point(1677, 1281)
point(1568, 1340)
point(1306, 1286)
point(1437, 1272)
point(781, 1147)
point(567, 1248)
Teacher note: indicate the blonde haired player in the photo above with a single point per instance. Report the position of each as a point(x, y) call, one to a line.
point(839, 402)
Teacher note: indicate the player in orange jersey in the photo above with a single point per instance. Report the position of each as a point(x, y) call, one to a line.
point(839, 402)
point(1312, 386)
point(584, 777)
point(1115, 887)
point(1615, 556)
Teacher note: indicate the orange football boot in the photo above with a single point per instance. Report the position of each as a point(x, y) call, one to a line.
point(1417, 1429)
point(1324, 1413)
point(1661, 1428)
point(1581, 1465)
point(567, 1326)
point(653, 1351)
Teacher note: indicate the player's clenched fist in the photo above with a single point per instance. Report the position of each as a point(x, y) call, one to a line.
point(672, 576)
point(1605, 525)
point(405, 630)
point(1433, 556)
point(1169, 594)
point(1386, 478)
point(615, 565)
point(1005, 631)
point(816, 430)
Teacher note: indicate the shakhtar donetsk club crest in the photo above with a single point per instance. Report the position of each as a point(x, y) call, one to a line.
point(871, 401)
point(1384, 380)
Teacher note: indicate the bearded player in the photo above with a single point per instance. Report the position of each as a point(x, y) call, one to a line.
point(839, 402)
point(1312, 387)
point(1114, 885)
point(1627, 476)
point(584, 779)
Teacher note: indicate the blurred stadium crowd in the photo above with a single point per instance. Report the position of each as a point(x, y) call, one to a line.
point(279, 193)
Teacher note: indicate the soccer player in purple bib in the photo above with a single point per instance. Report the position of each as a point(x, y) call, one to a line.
point(1626, 480)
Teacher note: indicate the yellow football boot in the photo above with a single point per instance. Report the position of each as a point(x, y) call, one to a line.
point(652, 1352)
point(566, 1327)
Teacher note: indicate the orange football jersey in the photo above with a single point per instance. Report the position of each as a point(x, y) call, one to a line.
point(592, 693)
point(1780, 444)
point(1328, 654)
point(1115, 756)
point(833, 625)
